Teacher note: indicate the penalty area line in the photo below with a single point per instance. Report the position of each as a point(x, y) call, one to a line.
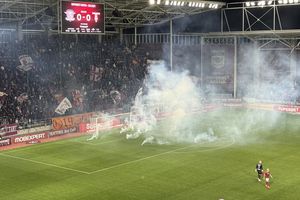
point(96, 144)
point(167, 152)
point(210, 149)
point(138, 160)
point(43, 163)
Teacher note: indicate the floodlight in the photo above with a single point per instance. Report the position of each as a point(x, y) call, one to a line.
point(167, 2)
point(270, 2)
point(261, 3)
point(158, 2)
point(151, 2)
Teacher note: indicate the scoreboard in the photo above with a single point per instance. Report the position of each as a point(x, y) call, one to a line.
point(82, 17)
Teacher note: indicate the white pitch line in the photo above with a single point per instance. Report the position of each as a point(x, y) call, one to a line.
point(140, 159)
point(210, 149)
point(172, 151)
point(43, 163)
point(95, 144)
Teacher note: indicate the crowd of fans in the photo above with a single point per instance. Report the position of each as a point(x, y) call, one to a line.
point(92, 75)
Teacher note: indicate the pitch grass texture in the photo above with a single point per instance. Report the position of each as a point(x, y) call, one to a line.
point(116, 168)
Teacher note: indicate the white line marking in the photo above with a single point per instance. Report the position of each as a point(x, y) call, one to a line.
point(140, 159)
point(43, 163)
point(118, 165)
point(172, 151)
point(210, 149)
point(95, 144)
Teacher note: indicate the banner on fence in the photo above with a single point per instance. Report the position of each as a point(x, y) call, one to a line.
point(60, 123)
point(90, 127)
point(62, 132)
point(29, 138)
point(9, 129)
point(287, 108)
point(5, 142)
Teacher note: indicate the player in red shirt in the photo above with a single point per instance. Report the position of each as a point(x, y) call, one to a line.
point(267, 176)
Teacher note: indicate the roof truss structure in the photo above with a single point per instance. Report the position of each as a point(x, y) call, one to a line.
point(118, 13)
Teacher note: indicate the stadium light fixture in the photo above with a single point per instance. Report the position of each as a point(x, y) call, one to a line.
point(270, 2)
point(192, 3)
point(261, 3)
point(151, 2)
point(285, 1)
point(213, 6)
point(158, 2)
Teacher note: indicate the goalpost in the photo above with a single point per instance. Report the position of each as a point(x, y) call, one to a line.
point(94, 127)
point(98, 124)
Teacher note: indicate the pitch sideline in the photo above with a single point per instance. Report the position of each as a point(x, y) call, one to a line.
point(43, 163)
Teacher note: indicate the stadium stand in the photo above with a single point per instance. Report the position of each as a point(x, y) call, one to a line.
point(92, 75)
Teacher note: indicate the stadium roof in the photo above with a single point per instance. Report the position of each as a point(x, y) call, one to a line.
point(119, 13)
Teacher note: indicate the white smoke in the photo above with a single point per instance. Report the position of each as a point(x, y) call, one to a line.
point(176, 94)
point(167, 93)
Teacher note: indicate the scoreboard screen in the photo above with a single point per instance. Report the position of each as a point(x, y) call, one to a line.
point(82, 17)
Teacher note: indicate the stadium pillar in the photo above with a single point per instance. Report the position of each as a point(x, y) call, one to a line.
point(235, 69)
point(135, 35)
point(171, 44)
point(201, 62)
point(19, 31)
point(121, 35)
point(100, 39)
point(293, 61)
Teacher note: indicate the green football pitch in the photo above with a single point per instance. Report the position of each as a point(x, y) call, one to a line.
point(115, 168)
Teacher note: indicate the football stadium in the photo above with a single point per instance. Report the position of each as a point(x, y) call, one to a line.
point(149, 99)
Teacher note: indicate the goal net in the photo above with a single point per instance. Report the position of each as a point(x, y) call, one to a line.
point(99, 124)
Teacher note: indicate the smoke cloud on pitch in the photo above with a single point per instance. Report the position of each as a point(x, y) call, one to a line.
point(263, 77)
